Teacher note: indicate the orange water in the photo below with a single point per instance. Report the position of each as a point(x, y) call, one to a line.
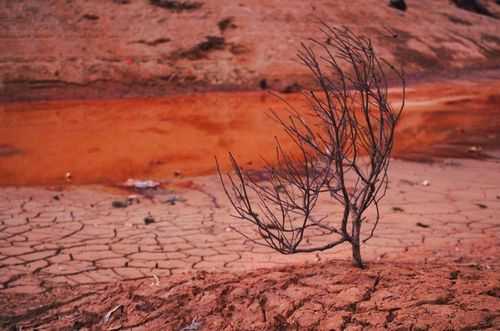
point(110, 141)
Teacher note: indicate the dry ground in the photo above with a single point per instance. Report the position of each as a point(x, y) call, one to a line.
point(328, 296)
point(86, 49)
point(69, 260)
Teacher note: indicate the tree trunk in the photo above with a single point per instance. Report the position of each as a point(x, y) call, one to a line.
point(356, 256)
point(356, 246)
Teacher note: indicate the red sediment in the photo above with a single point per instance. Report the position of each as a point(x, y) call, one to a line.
point(110, 141)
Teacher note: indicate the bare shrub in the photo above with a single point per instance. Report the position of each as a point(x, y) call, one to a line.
point(342, 151)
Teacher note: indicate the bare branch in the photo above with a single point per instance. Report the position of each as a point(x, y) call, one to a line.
point(342, 149)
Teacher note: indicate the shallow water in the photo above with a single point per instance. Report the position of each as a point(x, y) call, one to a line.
point(110, 141)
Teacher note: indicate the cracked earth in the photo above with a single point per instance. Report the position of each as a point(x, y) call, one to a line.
point(439, 238)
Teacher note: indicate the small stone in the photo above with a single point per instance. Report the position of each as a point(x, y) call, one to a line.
point(398, 4)
point(172, 200)
point(119, 204)
point(90, 17)
point(422, 225)
point(134, 198)
point(475, 149)
point(292, 88)
point(263, 84)
point(149, 219)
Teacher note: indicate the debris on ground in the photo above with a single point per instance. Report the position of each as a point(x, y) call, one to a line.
point(194, 326)
point(141, 184)
point(7, 150)
point(149, 219)
point(381, 256)
point(90, 17)
point(426, 183)
point(177, 6)
point(408, 182)
point(226, 23)
point(133, 198)
point(158, 194)
point(451, 162)
point(422, 225)
point(475, 149)
point(200, 50)
point(292, 88)
point(398, 4)
point(156, 280)
point(172, 200)
point(263, 84)
point(110, 313)
point(119, 204)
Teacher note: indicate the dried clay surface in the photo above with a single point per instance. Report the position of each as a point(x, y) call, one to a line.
point(70, 260)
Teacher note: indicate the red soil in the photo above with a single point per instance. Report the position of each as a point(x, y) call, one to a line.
point(87, 49)
point(453, 295)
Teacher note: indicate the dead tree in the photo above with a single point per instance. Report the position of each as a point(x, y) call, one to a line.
point(343, 147)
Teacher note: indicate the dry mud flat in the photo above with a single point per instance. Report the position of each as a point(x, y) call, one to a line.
point(69, 260)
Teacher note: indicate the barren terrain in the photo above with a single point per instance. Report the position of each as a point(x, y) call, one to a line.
point(93, 93)
point(69, 258)
point(100, 49)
